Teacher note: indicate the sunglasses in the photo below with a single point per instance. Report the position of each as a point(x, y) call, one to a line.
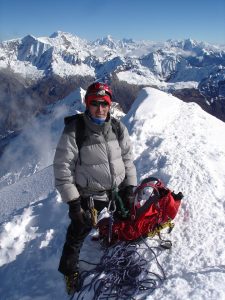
point(98, 103)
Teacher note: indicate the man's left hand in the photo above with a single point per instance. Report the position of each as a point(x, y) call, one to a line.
point(127, 193)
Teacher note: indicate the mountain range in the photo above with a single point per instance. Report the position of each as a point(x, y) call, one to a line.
point(35, 72)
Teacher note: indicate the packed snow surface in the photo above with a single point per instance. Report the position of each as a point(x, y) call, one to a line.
point(175, 141)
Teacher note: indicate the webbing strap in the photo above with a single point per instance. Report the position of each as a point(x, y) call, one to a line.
point(160, 227)
point(124, 211)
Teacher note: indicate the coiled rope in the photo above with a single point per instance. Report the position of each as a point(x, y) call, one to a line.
point(123, 273)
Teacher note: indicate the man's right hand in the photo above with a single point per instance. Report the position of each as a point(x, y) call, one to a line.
point(80, 221)
point(78, 216)
point(76, 213)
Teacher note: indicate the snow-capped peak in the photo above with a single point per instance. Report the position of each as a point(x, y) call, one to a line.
point(106, 41)
point(67, 39)
point(59, 33)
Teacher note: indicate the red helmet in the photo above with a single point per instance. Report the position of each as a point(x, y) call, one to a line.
point(99, 89)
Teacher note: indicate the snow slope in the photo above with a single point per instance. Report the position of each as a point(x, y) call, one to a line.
point(176, 141)
point(182, 145)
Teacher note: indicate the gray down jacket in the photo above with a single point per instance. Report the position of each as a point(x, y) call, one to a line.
point(103, 161)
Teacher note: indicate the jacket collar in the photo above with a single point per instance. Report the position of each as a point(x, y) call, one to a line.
point(95, 127)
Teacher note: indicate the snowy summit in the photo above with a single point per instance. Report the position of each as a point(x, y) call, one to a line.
point(173, 140)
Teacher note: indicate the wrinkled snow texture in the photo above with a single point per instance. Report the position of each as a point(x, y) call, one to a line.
point(175, 141)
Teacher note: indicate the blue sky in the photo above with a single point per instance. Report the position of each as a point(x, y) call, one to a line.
point(156, 20)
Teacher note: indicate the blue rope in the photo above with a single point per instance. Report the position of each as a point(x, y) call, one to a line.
point(122, 273)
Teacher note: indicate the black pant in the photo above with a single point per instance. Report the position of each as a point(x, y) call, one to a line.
point(69, 262)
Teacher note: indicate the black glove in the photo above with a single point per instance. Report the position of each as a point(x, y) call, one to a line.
point(76, 213)
point(130, 194)
point(128, 190)
point(127, 193)
point(79, 217)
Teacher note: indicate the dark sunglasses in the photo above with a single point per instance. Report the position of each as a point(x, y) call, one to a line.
point(98, 103)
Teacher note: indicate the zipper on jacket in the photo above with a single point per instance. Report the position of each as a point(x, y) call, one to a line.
point(110, 168)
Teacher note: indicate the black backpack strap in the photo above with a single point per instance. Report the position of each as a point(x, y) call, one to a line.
point(116, 127)
point(80, 130)
point(79, 127)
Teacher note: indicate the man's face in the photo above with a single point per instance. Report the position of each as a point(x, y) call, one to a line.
point(99, 108)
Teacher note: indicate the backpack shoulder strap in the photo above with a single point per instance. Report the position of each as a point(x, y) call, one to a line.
point(78, 119)
point(80, 128)
point(117, 129)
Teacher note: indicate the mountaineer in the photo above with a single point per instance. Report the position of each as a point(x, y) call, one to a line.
point(93, 157)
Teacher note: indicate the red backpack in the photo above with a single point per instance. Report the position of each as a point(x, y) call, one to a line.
point(154, 207)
